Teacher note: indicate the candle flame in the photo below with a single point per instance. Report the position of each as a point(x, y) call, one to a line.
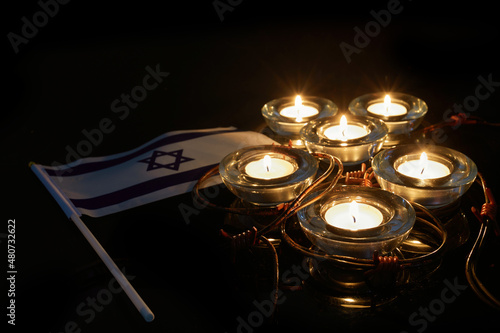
point(298, 104)
point(298, 101)
point(267, 162)
point(387, 103)
point(423, 162)
point(343, 126)
point(353, 210)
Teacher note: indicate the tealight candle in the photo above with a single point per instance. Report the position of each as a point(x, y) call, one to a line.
point(353, 216)
point(423, 168)
point(387, 108)
point(353, 142)
point(299, 111)
point(269, 168)
point(286, 116)
point(401, 113)
point(344, 131)
point(355, 221)
point(268, 174)
point(434, 179)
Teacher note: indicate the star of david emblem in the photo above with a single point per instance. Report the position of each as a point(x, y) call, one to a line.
point(153, 164)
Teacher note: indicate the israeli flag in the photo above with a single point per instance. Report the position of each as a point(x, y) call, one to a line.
point(166, 166)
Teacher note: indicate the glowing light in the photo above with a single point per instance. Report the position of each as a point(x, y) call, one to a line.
point(267, 162)
point(423, 162)
point(353, 210)
point(343, 126)
point(387, 103)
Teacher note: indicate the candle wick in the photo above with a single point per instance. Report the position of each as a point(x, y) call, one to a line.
point(267, 167)
point(354, 218)
point(421, 172)
point(343, 133)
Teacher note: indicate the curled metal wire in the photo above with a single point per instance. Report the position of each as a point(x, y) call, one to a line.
point(284, 211)
point(456, 120)
point(253, 236)
point(363, 177)
point(276, 274)
point(384, 274)
point(487, 217)
point(299, 202)
point(242, 211)
point(431, 221)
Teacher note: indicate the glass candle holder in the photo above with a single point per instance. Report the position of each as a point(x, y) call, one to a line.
point(268, 175)
point(403, 170)
point(286, 116)
point(402, 114)
point(354, 140)
point(381, 221)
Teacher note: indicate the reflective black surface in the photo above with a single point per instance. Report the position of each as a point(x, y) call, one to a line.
point(81, 67)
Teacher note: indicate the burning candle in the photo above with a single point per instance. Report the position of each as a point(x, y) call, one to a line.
point(387, 108)
point(423, 168)
point(269, 168)
point(344, 131)
point(353, 216)
point(268, 174)
point(299, 111)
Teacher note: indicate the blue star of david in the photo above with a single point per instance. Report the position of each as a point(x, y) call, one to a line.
point(153, 165)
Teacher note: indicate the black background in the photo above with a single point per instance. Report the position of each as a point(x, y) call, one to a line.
point(64, 79)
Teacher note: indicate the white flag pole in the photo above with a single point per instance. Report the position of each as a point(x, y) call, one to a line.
point(73, 214)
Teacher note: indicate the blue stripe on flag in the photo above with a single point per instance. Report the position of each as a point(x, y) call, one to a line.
point(141, 189)
point(95, 166)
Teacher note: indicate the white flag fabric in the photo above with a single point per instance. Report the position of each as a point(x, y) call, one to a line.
point(163, 167)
